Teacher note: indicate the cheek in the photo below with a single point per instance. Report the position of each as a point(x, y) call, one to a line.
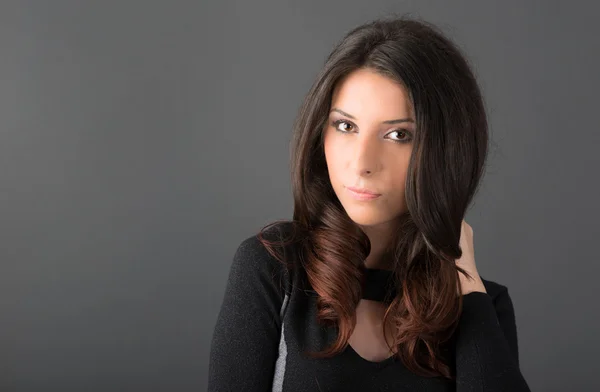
point(331, 156)
point(397, 182)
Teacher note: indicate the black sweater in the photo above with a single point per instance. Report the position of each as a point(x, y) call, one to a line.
point(268, 317)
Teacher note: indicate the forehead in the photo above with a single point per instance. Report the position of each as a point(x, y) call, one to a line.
point(365, 93)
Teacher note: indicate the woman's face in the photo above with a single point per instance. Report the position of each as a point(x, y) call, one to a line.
point(369, 145)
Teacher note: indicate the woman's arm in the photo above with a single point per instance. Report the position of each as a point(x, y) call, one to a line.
point(244, 345)
point(487, 356)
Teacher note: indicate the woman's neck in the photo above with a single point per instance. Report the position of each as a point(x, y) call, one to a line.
point(379, 236)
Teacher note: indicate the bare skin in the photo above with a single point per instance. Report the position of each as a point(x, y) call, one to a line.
point(367, 338)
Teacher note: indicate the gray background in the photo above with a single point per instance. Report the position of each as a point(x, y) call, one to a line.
point(142, 141)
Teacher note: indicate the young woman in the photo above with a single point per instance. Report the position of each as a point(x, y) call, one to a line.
point(372, 286)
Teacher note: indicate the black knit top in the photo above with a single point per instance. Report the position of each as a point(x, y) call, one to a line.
point(268, 319)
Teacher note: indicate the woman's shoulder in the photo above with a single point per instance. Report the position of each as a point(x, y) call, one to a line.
point(276, 241)
point(268, 253)
point(497, 291)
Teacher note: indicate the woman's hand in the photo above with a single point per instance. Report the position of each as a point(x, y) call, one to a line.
point(467, 262)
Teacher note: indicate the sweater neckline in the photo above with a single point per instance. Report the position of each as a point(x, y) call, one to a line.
point(378, 284)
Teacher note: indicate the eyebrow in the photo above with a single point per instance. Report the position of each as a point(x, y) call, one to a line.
point(399, 120)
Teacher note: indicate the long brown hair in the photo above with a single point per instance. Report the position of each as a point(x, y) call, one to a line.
point(444, 172)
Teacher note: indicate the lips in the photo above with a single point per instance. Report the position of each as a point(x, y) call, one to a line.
point(363, 191)
point(362, 194)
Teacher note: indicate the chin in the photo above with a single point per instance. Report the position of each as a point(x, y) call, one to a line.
point(368, 216)
point(366, 219)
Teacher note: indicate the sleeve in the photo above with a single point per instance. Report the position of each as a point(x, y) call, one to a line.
point(245, 340)
point(487, 357)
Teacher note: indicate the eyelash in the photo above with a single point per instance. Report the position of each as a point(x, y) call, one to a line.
point(338, 122)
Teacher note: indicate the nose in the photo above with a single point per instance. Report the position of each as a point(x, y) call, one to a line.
point(366, 159)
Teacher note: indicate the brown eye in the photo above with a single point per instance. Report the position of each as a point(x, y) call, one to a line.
point(403, 132)
point(338, 122)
